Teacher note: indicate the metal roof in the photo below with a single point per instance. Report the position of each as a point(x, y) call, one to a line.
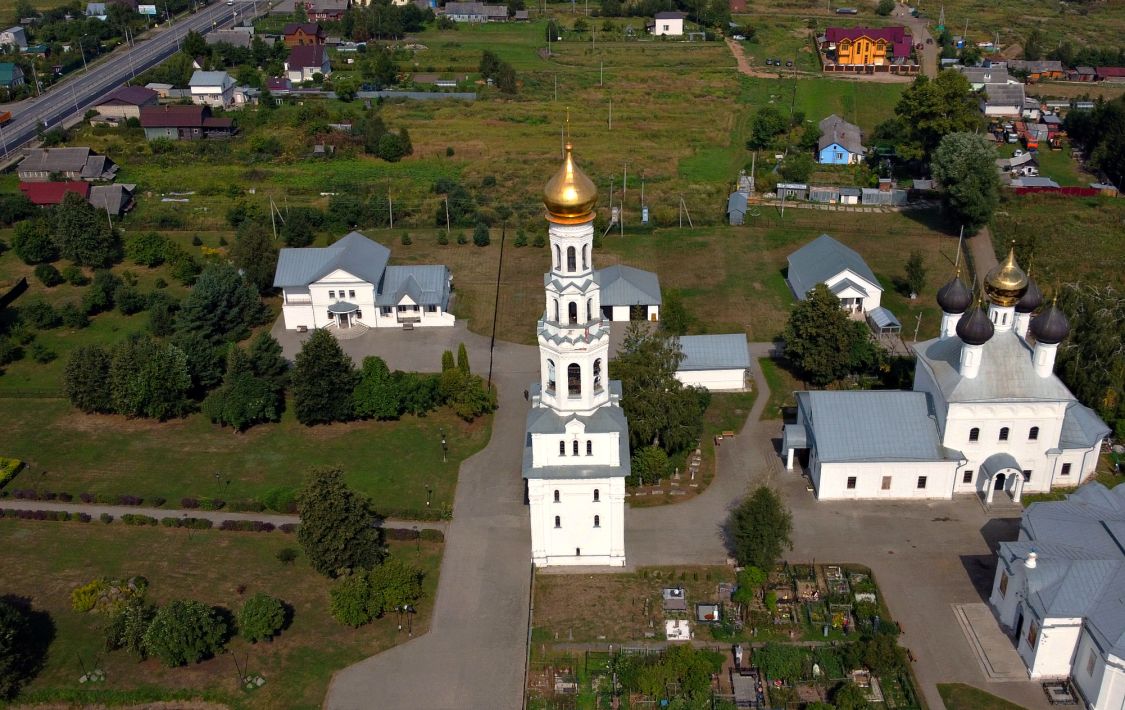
point(130, 96)
point(883, 318)
point(1004, 95)
point(844, 284)
point(625, 286)
point(1082, 428)
point(544, 420)
point(114, 198)
point(714, 352)
point(354, 253)
point(834, 129)
point(1006, 372)
point(425, 285)
point(210, 78)
point(342, 307)
point(736, 202)
point(870, 425)
point(820, 260)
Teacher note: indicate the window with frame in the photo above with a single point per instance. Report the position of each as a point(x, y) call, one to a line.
point(1065, 470)
point(974, 434)
point(886, 485)
point(1003, 584)
point(556, 495)
point(574, 380)
point(332, 294)
point(1033, 433)
point(558, 521)
point(967, 477)
point(431, 309)
point(562, 448)
point(1091, 661)
point(574, 448)
point(1003, 433)
point(921, 482)
point(351, 293)
point(851, 483)
point(1027, 476)
point(589, 448)
point(387, 310)
point(597, 521)
point(1032, 634)
point(597, 496)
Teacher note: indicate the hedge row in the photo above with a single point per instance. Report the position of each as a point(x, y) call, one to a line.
point(56, 515)
point(9, 467)
point(193, 523)
point(411, 534)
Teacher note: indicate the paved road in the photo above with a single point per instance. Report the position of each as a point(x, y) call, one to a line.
point(920, 31)
point(474, 654)
point(217, 516)
point(72, 97)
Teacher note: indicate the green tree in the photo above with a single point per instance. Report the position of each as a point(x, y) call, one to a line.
point(149, 379)
point(661, 411)
point(147, 249)
point(243, 401)
point(82, 235)
point(261, 618)
point(255, 255)
point(377, 395)
point(222, 306)
point(915, 273)
point(674, 317)
point(822, 342)
point(931, 109)
point(650, 464)
point(86, 380)
point(1091, 361)
point(266, 360)
point(204, 359)
point(447, 361)
point(99, 296)
point(781, 661)
point(391, 147)
point(348, 600)
point(393, 584)
point(33, 244)
point(798, 167)
point(184, 632)
point(127, 626)
point(850, 696)
point(883, 655)
point(480, 235)
point(194, 45)
point(463, 359)
point(885, 8)
point(751, 580)
point(323, 380)
point(768, 124)
point(1033, 46)
point(759, 529)
point(965, 165)
point(338, 530)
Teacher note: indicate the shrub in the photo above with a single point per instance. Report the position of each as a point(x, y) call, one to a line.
point(211, 503)
point(250, 505)
point(261, 618)
point(189, 503)
point(85, 597)
point(9, 467)
point(540, 241)
point(521, 239)
point(287, 527)
point(42, 354)
point(196, 241)
point(185, 632)
point(48, 275)
point(75, 276)
point(74, 316)
point(106, 518)
point(127, 627)
point(430, 535)
point(401, 534)
point(286, 555)
point(40, 314)
point(134, 519)
point(157, 501)
point(281, 500)
point(442, 238)
point(247, 526)
point(406, 240)
point(461, 238)
point(480, 235)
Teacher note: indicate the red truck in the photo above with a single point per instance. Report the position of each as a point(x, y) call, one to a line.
point(5, 118)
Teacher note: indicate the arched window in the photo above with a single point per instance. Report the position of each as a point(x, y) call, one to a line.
point(574, 448)
point(574, 380)
point(556, 301)
point(562, 448)
point(1033, 434)
point(558, 257)
point(597, 495)
point(572, 312)
point(597, 521)
point(589, 309)
point(1003, 433)
point(558, 522)
point(585, 257)
point(571, 258)
point(597, 374)
point(974, 434)
point(551, 376)
point(589, 448)
point(556, 495)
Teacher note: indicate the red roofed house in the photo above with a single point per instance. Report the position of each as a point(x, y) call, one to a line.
point(1114, 75)
point(852, 48)
point(126, 102)
point(305, 61)
point(298, 34)
point(45, 194)
point(182, 122)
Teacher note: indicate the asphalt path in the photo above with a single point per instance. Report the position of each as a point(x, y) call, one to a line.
point(71, 98)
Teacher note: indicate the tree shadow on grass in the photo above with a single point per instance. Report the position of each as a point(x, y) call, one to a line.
point(31, 643)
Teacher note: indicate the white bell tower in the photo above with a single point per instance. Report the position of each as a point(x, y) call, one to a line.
point(576, 455)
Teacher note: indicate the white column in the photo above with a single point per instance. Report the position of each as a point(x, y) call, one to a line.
point(991, 489)
point(1002, 317)
point(789, 461)
point(1017, 490)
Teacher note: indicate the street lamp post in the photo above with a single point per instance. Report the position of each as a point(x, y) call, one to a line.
point(444, 448)
point(82, 51)
point(218, 482)
point(409, 619)
point(429, 494)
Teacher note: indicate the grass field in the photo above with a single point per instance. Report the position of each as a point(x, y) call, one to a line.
point(215, 567)
point(865, 104)
point(782, 385)
point(958, 696)
point(393, 462)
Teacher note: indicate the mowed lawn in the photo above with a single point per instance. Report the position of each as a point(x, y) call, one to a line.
point(393, 462)
point(866, 104)
point(958, 696)
point(219, 568)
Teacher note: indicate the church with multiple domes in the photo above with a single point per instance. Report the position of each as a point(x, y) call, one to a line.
point(986, 415)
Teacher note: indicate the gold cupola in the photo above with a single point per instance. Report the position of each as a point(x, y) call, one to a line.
point(570, 195)
point(1006, 282)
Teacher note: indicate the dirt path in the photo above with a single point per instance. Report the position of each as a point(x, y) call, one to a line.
point(744, 65)
point(984, 254)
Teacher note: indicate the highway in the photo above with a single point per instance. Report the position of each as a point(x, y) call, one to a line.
point(75, 95)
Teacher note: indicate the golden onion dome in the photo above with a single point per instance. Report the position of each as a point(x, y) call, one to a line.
point(1006, 283)
point(570, 195)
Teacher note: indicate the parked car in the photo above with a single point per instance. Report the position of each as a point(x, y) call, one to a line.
point(1018, 153)
point(789, 63)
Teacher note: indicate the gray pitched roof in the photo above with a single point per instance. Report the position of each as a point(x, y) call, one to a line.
point(625, 286)
point(544, 420)
point(425, 285)
point(64, 160)
point(736, 202)
point(870, 425)
point(714, 352)
point(211, 78)
point(985, 75)
point(114, 198)
point(1006, 372)
point(820, 260)
point(1080, 543)
point(834, 129)
point(844, 284)
point(354, 253)
point(1081, 428)
point(1004, 95)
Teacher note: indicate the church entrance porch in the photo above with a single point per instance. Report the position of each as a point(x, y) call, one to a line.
point(1002, 474)
point(343, 314)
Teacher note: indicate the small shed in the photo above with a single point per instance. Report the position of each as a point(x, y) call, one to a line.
point(716, 362)
point(849, 195)
point(628, 293)
point(824, 194)
point(736, 208)
point(875, 196)
point(792, 190)
point(883, 322)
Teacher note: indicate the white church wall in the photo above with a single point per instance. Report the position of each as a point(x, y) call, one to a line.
point(1054, 652)
point(886, 480)
point(604, 447)
point(576, 539)
point(1099, 677)
point(1007, 589)
point(298, 315)
point(1019, 419)
point(729, 380)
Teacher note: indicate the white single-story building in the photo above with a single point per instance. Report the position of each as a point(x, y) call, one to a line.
point(826, 261)
point(668, 23)
point(1058, 593)
point(628, 293)
point(349, 285)
point(717, 362)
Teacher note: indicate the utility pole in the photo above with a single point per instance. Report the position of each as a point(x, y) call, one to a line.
point(753, 164)
point(496, 305)
point(642, 189)
point(917, 325)
point(273, 219)
point(556, 87)
point(601, 72)
point(957, 260)
point(624, 190)
point(391, 210)
point(447, 216)
point(611, 114)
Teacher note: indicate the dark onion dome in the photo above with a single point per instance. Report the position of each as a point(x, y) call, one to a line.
point(955, 297)
point(1006, 282)
point(1051, 326)
point(1032, 298)
point(974, 328)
